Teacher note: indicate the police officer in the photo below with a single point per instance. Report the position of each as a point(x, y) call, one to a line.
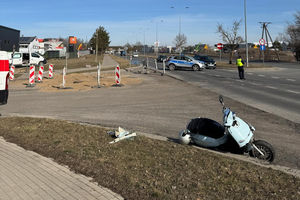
point(240, 65)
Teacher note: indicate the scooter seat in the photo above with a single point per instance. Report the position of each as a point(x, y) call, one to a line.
point(206, 127)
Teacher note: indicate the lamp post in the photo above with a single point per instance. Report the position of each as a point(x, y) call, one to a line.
point(246, 40)
point(179, 32)
point(156, 37)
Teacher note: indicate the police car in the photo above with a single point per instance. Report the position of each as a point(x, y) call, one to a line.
point(182, 61)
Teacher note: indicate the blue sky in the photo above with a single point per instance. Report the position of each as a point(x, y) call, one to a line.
point(138, 20)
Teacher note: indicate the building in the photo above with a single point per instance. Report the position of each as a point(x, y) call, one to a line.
point(29, 44)
point(9, 39)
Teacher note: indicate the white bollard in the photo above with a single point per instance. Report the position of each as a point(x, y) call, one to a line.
point(98, 75)
point(164, 67)
point(64, 80)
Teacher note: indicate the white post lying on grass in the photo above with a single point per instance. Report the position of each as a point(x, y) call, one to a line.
point(98, 74)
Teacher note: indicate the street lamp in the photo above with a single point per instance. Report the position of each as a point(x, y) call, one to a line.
point(186, 7)
point(245, 15)
point(156, 38)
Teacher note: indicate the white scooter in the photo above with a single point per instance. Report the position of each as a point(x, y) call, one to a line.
point(235, 134)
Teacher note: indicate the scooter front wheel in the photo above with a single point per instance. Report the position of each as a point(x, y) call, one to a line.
point(263, 151)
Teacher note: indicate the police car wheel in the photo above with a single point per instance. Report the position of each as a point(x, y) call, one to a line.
point(196, 68)
point(171, 67)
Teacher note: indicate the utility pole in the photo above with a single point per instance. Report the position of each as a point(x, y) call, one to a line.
point(96, 59)
point(246, 40)
point(266, 33)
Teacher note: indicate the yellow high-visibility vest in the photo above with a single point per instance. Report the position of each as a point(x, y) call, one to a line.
point(239, 62)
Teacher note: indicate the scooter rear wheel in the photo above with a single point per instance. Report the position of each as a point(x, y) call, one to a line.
point(265, 148)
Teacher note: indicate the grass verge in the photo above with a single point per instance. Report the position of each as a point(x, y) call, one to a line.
point(124, 63)
point(144, 168)
point(74, 63)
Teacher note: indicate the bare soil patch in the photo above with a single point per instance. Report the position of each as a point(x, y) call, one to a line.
point(77, 82)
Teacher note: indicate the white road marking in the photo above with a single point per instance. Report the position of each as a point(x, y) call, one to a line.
point(290, 79)
point(250, 73)
point(217, 75)
point(293, 91)
point(253, 83)
point(261, 75)
point(275, 88)
point(275, 77)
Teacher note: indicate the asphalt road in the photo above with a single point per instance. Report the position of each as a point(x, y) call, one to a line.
point(275, 90)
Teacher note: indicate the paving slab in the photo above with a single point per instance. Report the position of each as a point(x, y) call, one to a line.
point(27, 175)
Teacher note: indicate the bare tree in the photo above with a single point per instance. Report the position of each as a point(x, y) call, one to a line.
point(230, 37)
point(293, 32)
point(179, 41)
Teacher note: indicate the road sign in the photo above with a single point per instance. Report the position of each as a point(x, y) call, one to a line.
point(262, 41)
point(262, 47)
point(220, 46)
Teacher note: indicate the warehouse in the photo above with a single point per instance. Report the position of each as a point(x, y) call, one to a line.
point(9, 39)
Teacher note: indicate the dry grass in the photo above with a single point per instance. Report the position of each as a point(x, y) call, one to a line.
point(74, 63)
point(148, 169)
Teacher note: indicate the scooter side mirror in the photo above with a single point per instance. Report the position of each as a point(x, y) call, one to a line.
point(221, 99)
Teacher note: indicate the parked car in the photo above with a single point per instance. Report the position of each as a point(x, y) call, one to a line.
point(183, 61)
point(161, 58)
point(209, 62)
point(135, 54)
point(26, 59)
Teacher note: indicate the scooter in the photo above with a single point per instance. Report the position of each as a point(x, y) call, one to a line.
point(235, 134)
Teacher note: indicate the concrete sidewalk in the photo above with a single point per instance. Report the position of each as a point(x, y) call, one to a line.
point(27, 175)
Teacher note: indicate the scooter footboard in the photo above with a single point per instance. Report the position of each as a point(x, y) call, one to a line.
point(206, 127)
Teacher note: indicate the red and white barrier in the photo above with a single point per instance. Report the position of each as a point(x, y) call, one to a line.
point(50, 71)
point(12, 73)
point(117, 75)
point(32, 75)
point(41, 72)
point(4, 77)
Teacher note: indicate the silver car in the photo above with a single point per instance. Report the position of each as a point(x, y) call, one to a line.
point(182, 61)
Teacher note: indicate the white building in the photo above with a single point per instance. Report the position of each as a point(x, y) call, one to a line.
point(29, 44)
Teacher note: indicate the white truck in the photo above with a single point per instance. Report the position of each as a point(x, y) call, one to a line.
point(19, 59)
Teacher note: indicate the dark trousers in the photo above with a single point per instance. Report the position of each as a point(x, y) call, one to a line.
point(241, 72)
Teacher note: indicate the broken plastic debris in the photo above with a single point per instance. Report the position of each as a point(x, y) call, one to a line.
point(121, 134)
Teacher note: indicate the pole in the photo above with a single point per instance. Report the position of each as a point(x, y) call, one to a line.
point(245, 12)
point(147, 63)
point(98, 75)
point(220, 55)
point(155, 64)
point(96, 59)
point(164, 67)
point(64, 74)
point(67, 61)
point(144, 43)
